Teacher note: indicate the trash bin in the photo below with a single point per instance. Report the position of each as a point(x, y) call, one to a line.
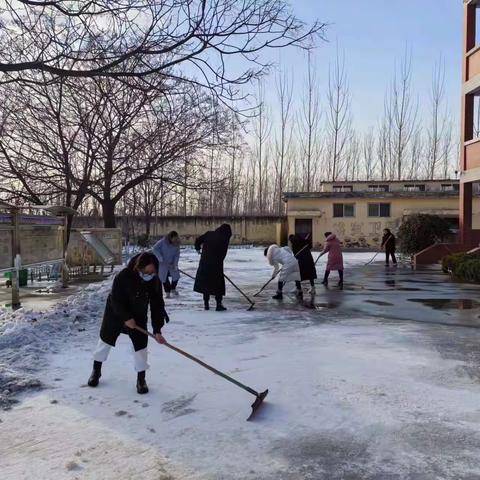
point(23, 277)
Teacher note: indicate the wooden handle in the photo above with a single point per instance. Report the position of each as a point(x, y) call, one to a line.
point(203, 364)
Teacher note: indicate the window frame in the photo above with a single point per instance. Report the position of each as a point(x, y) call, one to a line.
point(379, 209)
point(342, 188)
point(414, 187)
point(343, 205)
point(379, 188)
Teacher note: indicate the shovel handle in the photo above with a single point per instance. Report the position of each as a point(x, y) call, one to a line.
point(248, 299)
point(203, 364)
point(186, 274)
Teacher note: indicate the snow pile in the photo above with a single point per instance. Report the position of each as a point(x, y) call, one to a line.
point(27, 335)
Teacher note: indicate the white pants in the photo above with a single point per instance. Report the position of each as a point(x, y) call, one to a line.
point(139, 358)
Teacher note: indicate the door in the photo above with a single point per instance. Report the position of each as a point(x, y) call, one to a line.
point(304, 228)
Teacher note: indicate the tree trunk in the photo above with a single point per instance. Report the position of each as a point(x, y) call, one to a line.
point(108, 209)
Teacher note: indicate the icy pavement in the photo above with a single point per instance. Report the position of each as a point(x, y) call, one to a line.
point(379, 381)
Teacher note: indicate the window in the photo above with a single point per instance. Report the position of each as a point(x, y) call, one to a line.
point(450, 187)
point(343, 209)
point(343, 188)
point(378, 209)
point(378, 188)
point(414, 187)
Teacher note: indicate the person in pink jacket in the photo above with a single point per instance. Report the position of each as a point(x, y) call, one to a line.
point(335, 257)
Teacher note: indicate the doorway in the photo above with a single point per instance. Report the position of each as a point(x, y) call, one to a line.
point(304, 228)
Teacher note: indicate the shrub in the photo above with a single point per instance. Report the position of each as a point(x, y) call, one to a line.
point(420, 231)
point(451, 262)
point(143, 240)
point(468, 270)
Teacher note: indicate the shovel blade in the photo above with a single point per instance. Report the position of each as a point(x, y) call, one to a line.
point(257, 403)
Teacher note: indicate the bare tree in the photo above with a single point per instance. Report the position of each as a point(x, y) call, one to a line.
point(309, 125)
point(401, 111)
point(261, 131)
point(45, 156)
point(368, 155)
point(141, 38)
point(438, 119)
point(338, 125)
point(284, 137)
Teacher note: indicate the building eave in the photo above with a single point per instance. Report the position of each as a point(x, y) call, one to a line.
point(360, 195)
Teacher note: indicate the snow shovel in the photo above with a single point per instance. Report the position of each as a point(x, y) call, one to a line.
point(266, 284)
point(252, 304)
point(260, 397)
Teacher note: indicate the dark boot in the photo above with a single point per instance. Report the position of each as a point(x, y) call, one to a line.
point(220, 307)
point(279, 294)
point(206, 301)
point(340, 283)
point(142, 386)
point(325, 278)
point(299, 292)
point(96, 374)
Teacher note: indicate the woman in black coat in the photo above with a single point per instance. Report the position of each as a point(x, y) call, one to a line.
point(302, 250)
point(134, 289)
point(388, 242)
point(209, 279)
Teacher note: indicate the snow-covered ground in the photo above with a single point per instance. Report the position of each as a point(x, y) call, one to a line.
point(351, 397)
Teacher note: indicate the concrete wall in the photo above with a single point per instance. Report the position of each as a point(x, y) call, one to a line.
point(81, 253)
point(246, 230)
point(38, 243)
point(362, 230)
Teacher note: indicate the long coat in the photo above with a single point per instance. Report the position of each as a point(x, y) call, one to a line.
point(214, 245)
point(168, 256)
point(129, 298)
point(388, 241)
point(335, 257)
point(301, 248)
point(276, 256)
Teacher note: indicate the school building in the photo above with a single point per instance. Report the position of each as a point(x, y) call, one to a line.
point(359, 211)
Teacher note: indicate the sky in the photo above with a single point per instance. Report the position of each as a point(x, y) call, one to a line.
point(374, 35)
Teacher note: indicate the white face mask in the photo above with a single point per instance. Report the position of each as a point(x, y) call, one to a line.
point(146, 277)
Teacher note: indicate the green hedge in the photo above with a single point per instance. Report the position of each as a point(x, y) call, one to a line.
point(463, 266)
point(469, 270)
point(451, 262)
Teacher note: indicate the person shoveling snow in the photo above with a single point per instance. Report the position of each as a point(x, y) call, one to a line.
point(134, 289)
point(283, 261)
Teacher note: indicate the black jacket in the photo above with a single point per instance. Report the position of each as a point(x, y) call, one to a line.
point(304, 257)
point(214, 245)
point(388, 241)
point(130, 298)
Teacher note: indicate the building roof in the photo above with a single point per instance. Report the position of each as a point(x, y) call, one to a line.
point(342, 195)
point(386, 182)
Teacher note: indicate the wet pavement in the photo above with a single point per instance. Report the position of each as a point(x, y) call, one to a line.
point(41, 296)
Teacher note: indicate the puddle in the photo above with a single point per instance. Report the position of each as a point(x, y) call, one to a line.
point(447, 304)
point(380, 303)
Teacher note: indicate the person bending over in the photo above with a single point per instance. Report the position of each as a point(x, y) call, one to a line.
point(283, 261)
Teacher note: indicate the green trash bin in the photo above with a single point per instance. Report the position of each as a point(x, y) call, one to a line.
point(23, 277)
